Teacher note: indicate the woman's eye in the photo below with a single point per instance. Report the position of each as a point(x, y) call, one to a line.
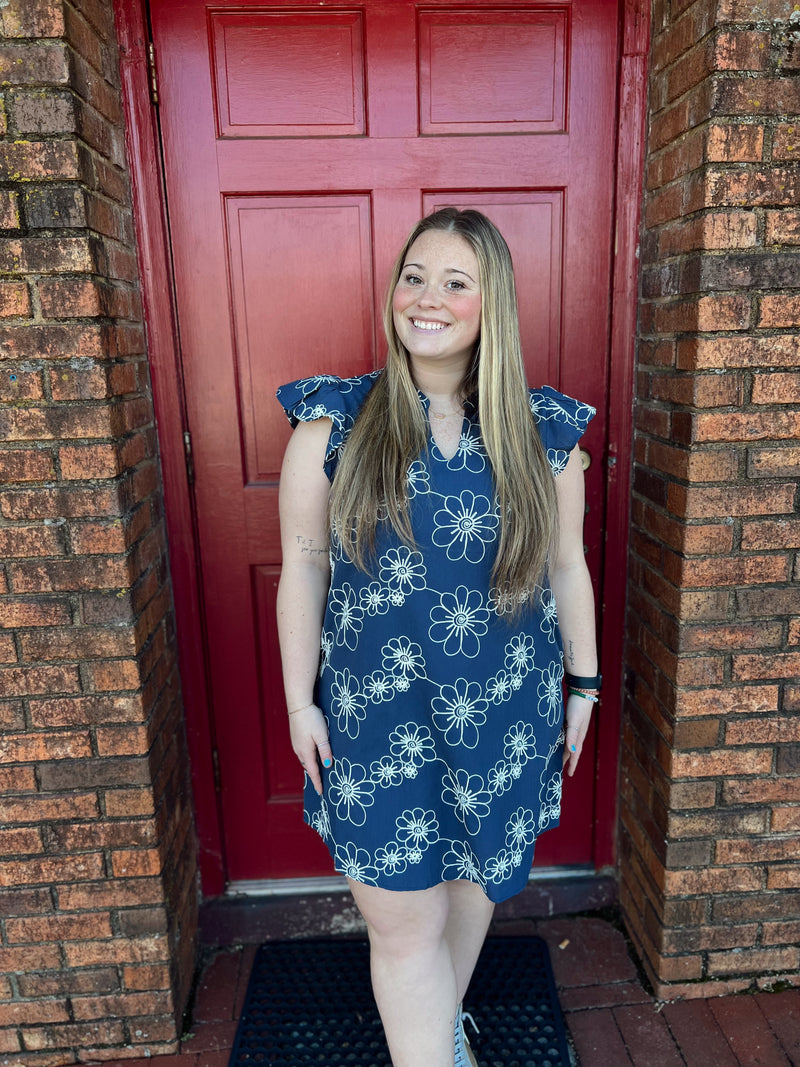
point(456, 285)
point(412, 279)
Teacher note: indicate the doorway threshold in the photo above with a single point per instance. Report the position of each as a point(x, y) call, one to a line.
point(285, 887)
point(254, 911)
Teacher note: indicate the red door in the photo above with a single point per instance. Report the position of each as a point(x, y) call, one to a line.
point(301, 144)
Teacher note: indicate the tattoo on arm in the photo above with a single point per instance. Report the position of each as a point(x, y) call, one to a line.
point(571, 655)
point(308, 546)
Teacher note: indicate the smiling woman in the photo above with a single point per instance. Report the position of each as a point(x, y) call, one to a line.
point(452, 544)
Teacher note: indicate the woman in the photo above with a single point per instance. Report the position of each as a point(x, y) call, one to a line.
point(427, 549)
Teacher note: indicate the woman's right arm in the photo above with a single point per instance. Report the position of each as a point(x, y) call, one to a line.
point(303, 588)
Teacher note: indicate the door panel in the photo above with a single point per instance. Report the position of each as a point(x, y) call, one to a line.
point(301, 144)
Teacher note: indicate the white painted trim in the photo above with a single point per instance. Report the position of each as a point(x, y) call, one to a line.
point(283, 887)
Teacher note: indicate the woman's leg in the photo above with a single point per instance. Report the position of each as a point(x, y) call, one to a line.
point(423, 949)
point(469, 914)
point(412, 973)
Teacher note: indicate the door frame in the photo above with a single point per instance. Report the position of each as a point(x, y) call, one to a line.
point(152, 235)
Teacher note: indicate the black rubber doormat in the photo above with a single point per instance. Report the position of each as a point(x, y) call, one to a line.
point(310, 1002)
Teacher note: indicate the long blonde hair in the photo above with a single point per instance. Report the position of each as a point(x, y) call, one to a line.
point(392, 430)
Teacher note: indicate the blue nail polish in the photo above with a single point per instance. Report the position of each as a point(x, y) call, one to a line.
point(326, 763)
point(573, 748)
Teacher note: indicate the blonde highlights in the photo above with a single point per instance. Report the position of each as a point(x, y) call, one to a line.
point(392, 430)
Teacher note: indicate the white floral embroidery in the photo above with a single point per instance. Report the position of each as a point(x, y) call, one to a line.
point(403, 658)
point(375, 599)
point(402, 569)
point(355, 863)
point(459, 711)
point(500, 777)
point(467, 794)
point(459, 621)
point(499, 867)
point(520, 654)
point(521, 828)
point(417, 479)
point(461, 862)
point(344, 608)
point(412, 744)
point(386, 771)
point(520, 743)
point(498, 688)
point(418, 828)
point(350, 791)
point(347, 702)
point(392, 858)
point(379, 686)
point(549, 620)
point(465, 525)
point(321, 821)
point(549, 693)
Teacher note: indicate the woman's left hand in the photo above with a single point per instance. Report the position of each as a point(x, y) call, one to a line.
point(577, 717)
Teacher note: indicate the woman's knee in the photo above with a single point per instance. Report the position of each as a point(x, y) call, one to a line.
point(405, 919)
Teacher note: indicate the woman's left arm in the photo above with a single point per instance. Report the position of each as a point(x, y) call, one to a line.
point(572, 588)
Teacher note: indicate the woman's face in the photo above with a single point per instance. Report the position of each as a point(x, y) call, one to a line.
point(437, 300)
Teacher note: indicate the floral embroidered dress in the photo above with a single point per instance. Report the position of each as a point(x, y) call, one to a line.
point(445, 717)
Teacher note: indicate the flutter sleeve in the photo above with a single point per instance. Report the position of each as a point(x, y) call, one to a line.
point(561, 421)
point(327, 397)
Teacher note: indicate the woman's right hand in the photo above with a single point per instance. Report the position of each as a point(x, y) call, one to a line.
point(310, 743)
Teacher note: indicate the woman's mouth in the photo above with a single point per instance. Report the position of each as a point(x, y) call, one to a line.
point(432, 327)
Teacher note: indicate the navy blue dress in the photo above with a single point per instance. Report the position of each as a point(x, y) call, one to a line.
point(445, 717)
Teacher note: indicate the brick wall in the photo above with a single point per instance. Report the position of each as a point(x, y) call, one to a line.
point(97, 878)
point(710, 879)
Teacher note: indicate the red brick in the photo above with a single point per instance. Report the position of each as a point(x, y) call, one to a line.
point(30, 748)
point(731, 636)
point(146, 977)
point(780, 933)
point(21, 383)
point(20, 841)
point(729, 143)
point(9, 208)
point(26, 465)
point(14, 299)
point(37, 161)
point(704, 502)
point(774, 665)
point(59, 983)
point(784, 877)
point(761, 960)
point(40, 612)
point(786, 820)
point(90, 383)
point(135, 863)
point(16, 541)
point(716, 880)
point(17, 780)
point(699, 353)
point(47, 807)
point(783, 227)
point(758, 96)
point(123, 1005)
point(721, 763)
point(128, 803)
point(747, 427)
point(776, 388)
point(76, 643)
point(88, 710)
point(65, 298)
point(758, 850)
point(44, 65)
point(786, 142)
point(763, 731)
point(49, 870)
point(742, 50)
point(88, 462)
point(85, 572)
point(116, 950)
point(74, 1034)
point(30, 1012)
point(726, 570)
point(32, 680)
point(715, 230)
point(779, 311)
point(760, 791)
point(122, 740)
point(110, 893)
point(59, 928)
point(698, 390)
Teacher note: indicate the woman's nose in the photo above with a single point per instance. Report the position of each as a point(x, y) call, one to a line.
point(429, 297)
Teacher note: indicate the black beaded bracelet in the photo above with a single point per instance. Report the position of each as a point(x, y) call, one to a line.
point(584, 683)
